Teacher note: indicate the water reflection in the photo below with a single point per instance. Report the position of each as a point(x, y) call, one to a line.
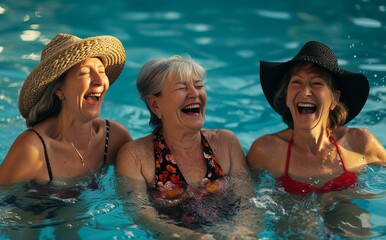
point(228, 38)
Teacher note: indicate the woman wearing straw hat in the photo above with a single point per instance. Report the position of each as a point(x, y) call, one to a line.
point(61, 100)
point(315, 97)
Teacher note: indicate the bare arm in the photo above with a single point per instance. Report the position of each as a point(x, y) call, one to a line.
point(244, 190)
point(236, 153)
point(364, 143)
point(374, 151)
point(118, 137)
point(24, 161)
point(129, 165)
point(256, 154)
point(134, 185)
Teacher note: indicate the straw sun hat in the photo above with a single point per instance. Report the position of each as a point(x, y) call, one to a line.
point(354, 87)
point(63, 52)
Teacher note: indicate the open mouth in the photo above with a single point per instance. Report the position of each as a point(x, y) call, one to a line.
point(193, 108)
point(93, 98)
point(306, 108)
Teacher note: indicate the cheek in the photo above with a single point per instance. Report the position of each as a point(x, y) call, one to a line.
point(203, 95)
point(107, 82)
point(288, 100)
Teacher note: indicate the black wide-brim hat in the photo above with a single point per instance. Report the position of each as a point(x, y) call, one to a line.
point(354, 87)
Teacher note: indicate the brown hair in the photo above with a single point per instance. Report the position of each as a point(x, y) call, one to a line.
point(337, 116)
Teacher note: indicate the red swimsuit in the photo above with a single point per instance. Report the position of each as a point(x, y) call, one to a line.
point(346, 180)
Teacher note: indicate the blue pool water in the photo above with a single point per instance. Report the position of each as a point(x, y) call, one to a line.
point(228, 38)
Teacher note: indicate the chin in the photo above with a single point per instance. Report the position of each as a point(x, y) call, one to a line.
point(198, 127)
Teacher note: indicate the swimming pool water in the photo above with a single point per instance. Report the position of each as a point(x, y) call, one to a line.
point(228, 38)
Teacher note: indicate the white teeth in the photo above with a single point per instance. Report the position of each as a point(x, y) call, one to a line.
point(306, 105)
point(192, 106)
point(94, 94)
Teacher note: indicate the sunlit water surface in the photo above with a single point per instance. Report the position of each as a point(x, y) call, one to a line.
point(228, 38)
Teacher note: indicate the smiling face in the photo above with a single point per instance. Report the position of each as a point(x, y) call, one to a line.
point(181, 103)
point(84, 87)
point(310, 98)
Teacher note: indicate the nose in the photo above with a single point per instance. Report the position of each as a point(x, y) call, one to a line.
point(192, 92)
point(306, 90)
point(99, 79)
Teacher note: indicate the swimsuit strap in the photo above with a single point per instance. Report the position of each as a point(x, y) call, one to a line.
point(332, 139)
point(288, 154)
point(45, 153)
point(107, 140)
point(166, 169)
point(214, 170)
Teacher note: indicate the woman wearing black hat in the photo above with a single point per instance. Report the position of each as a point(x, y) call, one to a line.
point(316, 98)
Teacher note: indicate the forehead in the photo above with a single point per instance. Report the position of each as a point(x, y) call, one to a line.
point(311, 68)
point(86, 61)
point(177, 77)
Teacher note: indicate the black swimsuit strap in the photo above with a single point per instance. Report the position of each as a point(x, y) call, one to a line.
point(45, 153)
point(107, 140)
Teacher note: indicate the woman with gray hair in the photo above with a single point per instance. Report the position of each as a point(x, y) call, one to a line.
point(179, 161)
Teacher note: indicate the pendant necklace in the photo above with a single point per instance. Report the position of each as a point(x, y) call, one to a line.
point(80, 155)
point(77, 151)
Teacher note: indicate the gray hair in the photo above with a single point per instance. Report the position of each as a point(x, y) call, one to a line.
point(154, 73)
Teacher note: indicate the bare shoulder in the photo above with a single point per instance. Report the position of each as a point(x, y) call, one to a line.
point(362, 141)
point(357, 139)
point(222, 139)
point(219, 134)
point(138, 146)
point(136, 160)
point(24, 160)
point(268, 142)
point(120, 131)
point(135, 154)
point(28, 142)
point(266, 148)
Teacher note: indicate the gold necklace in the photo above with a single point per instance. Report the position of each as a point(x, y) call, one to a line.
point(80, 155)
point(77, 151)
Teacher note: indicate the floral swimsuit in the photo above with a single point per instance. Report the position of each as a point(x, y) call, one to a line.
point(168, 177)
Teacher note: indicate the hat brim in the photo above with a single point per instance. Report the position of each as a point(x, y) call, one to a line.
point(109, 49)
point(354, 87)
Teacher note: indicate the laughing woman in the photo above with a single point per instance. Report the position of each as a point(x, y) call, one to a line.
point(61, 101)
point(315, 98)
point(183, 166)
point(317, 154)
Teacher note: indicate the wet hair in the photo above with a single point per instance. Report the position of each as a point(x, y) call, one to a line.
point(154, 73)
point(337, 116)
point(48, 105)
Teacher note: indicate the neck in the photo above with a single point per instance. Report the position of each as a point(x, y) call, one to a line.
point(75, 132)
point(180, 141)
point(314, 140)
